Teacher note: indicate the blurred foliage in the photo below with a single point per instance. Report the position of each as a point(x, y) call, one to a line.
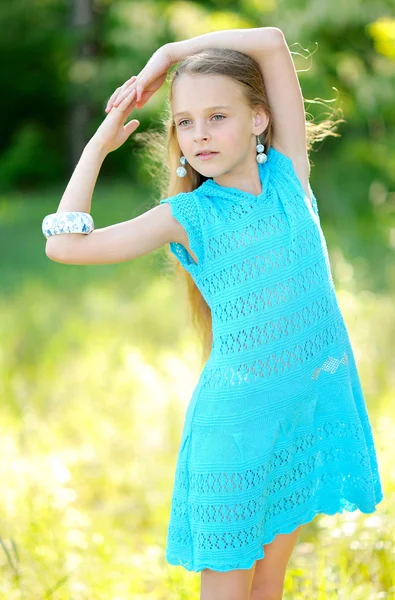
point(44, 74)
point(344, 52)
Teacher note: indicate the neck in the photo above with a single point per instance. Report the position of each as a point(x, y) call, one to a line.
point(243, 177)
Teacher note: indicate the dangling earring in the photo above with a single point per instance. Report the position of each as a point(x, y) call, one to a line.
point(181, 171)
point(261, 157)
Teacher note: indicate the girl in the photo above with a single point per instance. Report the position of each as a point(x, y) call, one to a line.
point(277, 429)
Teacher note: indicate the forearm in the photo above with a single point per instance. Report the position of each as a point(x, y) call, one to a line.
point(249, 41)
point(78, 193)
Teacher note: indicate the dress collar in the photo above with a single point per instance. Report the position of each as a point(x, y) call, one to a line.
point(212, 188)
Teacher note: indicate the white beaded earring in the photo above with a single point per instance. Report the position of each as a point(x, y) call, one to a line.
point(181, 171)
point(261, 157)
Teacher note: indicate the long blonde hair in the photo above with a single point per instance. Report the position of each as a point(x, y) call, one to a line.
point(245, 71)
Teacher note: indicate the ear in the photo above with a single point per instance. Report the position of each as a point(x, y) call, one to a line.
point(260, 120)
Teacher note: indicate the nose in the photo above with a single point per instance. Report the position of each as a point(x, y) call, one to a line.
point(201, 134)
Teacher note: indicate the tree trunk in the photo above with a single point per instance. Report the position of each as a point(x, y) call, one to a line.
point(81, 23)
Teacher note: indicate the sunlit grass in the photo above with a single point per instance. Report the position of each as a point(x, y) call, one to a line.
point(95, 377)
point(90, 428)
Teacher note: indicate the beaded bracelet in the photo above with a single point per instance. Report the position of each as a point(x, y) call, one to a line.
point(67, 222)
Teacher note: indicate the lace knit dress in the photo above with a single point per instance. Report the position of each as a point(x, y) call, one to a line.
point(277, 429)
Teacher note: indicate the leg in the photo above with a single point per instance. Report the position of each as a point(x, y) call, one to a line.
point(228, 585)
point(269, 572)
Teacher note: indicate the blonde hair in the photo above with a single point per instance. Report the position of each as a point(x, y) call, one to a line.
point(245, 71)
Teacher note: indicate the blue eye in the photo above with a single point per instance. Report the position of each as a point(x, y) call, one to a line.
point(184, 120)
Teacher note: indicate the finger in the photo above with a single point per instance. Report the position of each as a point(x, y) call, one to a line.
point(126, 101)
point(140, 90)
point(112, 98)
point(131, 126)
point(119, 90)
point(136, 81)
point(128, 109)
point(145, 96)
point(127, 83)
point(124, 94)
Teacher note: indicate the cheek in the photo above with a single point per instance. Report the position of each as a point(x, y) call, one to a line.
point(232, 136)
point(233, 139)
point(183, 142)
point(184, 137)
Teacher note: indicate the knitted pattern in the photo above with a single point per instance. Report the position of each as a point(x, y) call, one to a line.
point(277, 429)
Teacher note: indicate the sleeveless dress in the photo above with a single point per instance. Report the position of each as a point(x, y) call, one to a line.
point(277, 429)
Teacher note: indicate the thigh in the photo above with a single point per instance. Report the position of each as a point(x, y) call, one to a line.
point(269, 571)
point(227, 585)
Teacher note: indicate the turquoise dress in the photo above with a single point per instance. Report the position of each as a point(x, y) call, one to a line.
point(277, 429)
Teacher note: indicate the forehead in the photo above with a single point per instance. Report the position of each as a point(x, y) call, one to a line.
point(196, 93)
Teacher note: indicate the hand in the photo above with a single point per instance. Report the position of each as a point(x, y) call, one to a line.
point(148, 81)
point(112, 133)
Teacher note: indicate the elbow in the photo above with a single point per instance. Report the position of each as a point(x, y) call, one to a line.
point(52, 249)
point(52, 257)
point(277, 37)
point(66, 249)
point(277, 32)
point(50, 254)
point(49, 249)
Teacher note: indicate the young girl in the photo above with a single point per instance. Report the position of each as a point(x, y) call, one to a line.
point(277, 429)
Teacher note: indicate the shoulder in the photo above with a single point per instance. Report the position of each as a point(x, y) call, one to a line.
point(183, 210)
point(183, 201)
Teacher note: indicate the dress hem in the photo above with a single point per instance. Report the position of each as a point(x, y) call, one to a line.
point(248, 564)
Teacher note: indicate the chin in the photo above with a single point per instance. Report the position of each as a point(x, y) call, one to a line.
point(212, 175)
point(209, 171)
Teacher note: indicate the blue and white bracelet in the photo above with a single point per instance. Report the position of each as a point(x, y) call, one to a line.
point(67, 222)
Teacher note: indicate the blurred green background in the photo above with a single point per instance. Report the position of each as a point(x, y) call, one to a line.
point(97, 363)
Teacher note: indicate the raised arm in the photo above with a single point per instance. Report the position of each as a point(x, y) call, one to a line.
point(119, 242)
point(267, 46)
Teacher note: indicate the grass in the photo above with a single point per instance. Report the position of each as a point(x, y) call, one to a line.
point(97, 366)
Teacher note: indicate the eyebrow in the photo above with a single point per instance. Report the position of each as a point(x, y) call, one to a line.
point(185, 112)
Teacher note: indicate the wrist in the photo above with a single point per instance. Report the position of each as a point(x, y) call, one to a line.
point(95, 149)
point(176, 51)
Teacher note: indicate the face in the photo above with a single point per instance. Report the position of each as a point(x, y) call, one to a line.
point(202, 122)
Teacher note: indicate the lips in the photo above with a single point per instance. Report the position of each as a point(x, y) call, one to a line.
point(205, 152)
point(206, 157)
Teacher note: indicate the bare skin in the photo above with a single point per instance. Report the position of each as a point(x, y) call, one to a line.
point(264, 581)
